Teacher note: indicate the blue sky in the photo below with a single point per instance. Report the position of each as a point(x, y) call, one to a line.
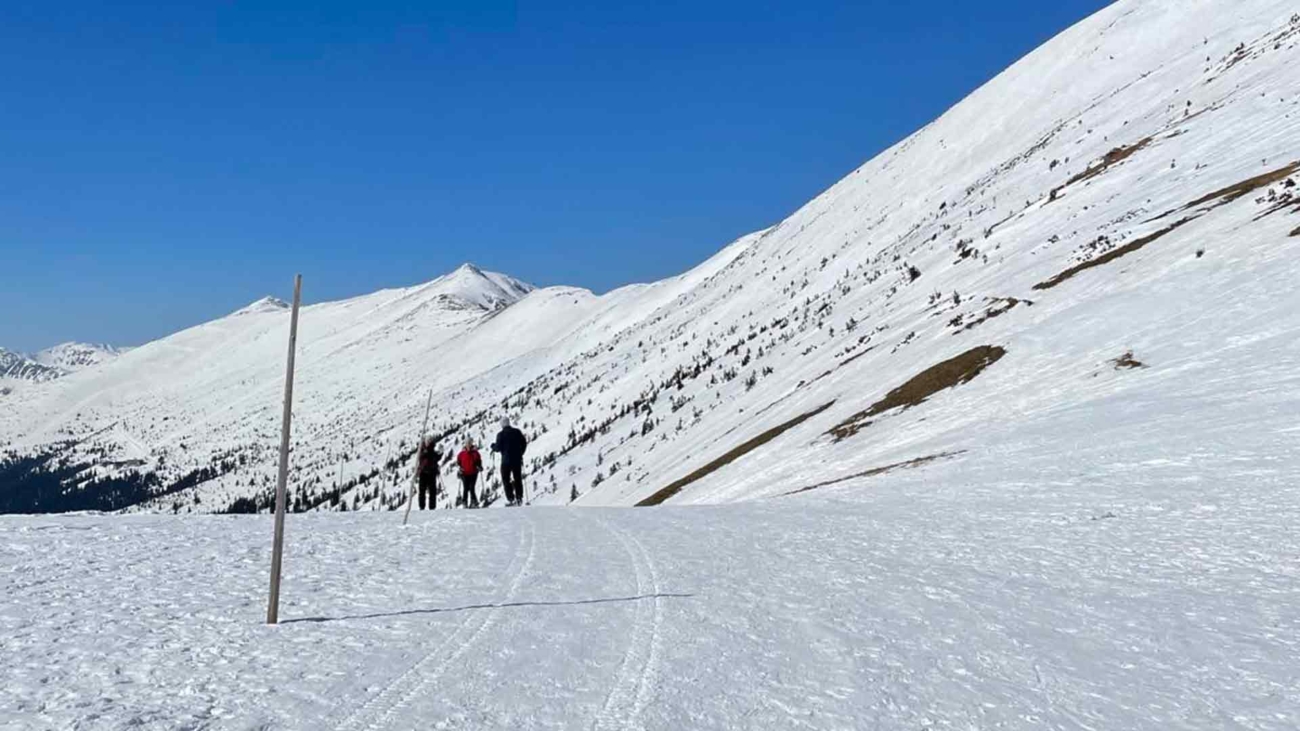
point(165, 164)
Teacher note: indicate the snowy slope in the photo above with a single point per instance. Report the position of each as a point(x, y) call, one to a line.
point(71, 357)
point(1108, 223)
point(996, 608)
point(18, 367)
point(51, 363)
point(213, 384)
point(999, 432)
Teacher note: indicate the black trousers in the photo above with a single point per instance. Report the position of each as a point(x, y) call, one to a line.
point(467, 483)
point(429, 486)
point(512, 478)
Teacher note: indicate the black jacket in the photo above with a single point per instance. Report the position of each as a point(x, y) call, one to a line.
point(430, 458)
point(512, 444)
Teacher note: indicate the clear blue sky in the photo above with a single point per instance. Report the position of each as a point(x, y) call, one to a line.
point(166, 163)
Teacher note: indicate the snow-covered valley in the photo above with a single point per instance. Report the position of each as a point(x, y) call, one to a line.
point(1000, 431)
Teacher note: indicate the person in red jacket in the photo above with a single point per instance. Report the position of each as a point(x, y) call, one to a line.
point(470, 464)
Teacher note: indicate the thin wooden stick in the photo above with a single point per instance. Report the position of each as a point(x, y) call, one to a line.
point(277, 550)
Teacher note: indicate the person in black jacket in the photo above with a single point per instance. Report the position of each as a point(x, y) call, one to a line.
point(511, 445)
point(430, 459)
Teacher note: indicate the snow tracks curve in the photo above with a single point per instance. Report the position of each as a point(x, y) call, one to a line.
point(637, 672)
point(378, 712)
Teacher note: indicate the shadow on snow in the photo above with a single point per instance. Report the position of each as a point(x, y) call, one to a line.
point(502, 605)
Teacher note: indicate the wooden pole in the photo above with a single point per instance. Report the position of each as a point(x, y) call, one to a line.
point(415, 476)
point(277, 550)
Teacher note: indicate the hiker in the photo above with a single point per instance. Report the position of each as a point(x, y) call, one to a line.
point(511, 445)
point(430, 458)
point(469, 464)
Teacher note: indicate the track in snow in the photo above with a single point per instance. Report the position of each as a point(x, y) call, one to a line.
point(377, 713)
point(635, 679)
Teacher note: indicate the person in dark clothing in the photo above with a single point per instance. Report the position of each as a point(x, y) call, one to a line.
point(469, 463)
point(430, 458)
point(511, 445)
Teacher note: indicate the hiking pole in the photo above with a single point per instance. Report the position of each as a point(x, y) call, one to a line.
point(461, 497)
point(415, 474)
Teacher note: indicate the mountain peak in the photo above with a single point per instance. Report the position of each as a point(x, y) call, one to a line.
point(470, 286)
point(76, 356)
point(266, 304)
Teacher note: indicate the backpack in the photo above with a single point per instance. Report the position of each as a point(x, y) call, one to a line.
point(429, 458)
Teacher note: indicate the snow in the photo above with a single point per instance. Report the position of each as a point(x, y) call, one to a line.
point(955, 604)
point(15, 367)
point(1094, 532)
point(51, 363)
point(265, 304)
point(1100, 140)
point(77, 356)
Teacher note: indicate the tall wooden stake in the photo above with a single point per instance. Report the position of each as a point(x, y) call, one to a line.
point(415, 476)
point(277, 551)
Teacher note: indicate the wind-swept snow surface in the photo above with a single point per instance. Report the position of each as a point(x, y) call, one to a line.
point(967, 604)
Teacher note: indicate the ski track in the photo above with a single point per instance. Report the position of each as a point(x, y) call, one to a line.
point(636, 674)
point(383, 706)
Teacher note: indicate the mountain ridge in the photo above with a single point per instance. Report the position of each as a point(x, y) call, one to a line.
point(55, 362)
point(814, 356)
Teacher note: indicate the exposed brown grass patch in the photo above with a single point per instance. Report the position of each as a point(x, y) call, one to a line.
point(1110, 256)
point(731, 456)
point(854, 357)
point(1296, 232)
point(911, 463)
point(1246, 187)
point(936, 378)
point(1127, 362)
point(1109, 160)
point(997, 308)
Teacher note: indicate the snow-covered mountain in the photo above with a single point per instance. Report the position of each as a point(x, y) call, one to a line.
point(1089, 262)
point(18, 367)
point(51, 363)
point(72, 357)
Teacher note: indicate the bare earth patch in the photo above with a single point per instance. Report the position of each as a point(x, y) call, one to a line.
point(1246, 187)
point(911, 463)
point(1112, 255)
point(1218, 198)
point(1109, 160)
point(1296, 232)
point(729, 457)
point(997, 307)
point(1127, 362)
point(936, 378)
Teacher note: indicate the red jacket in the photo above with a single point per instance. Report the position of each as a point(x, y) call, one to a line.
point(470, 462)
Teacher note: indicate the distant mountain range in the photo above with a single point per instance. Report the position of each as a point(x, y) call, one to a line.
point(55, 362)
